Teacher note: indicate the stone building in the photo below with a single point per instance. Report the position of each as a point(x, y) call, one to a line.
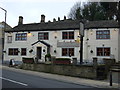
point(62, 39)
point(2, 28)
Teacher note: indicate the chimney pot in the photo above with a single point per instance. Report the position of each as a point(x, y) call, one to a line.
point(54, 20)
point(58, 18)
point(20, 20)
point(64, 17)
point(42, 18)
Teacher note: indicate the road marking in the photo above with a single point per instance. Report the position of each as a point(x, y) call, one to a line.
point(14, 81)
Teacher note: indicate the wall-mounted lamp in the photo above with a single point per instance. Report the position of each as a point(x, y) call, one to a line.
point(43, 50)
point(4, 51)
point(29, 34)
point(91, 31)
point(91, 51)
point(55, 37)
point(55, 51)
point(31, 51)
point(87, 39)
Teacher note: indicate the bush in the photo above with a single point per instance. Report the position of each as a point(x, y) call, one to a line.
point(48, 56)
point(28, 60)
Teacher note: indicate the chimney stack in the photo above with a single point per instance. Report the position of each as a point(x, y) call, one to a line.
point(20, 20)
point(64, 17)
point(42, 18)
point(58, 18)
point(54, 20)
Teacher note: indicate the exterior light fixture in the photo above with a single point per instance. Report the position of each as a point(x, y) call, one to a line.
point(55, 51)
point(29, 34)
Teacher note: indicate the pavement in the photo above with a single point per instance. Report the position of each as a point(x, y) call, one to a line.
point(75, 80)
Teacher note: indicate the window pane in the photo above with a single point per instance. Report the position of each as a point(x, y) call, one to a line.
point(64, 51)
point(99, 51)
point(105, 34)
point(71, 51)
point(9, 40)
point(71, 35)
point(15, 51)
point(23, 51)
point(43, 36)
point(21, 36)
point(65, 35)
point(106, 51)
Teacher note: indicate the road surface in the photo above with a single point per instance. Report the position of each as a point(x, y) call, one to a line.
point(14, 79)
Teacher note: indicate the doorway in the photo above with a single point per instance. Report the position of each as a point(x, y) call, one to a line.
point(39, 49)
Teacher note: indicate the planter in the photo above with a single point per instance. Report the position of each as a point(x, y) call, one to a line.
point(28, 60)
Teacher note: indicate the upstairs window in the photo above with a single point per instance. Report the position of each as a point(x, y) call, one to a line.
point(21, 37)
point(43, 36)
point(13, 51)
point(9, 39)
point(103, 34)
point(67, 51)
point(103, 51)
point(68, 35)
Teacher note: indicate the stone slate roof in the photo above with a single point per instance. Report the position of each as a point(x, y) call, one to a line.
point(64, 25)
point(102, 24)
point(8, 27)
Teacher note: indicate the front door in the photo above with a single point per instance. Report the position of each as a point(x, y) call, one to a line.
point(39, 52)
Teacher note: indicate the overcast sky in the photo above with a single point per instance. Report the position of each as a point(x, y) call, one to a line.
point(31, 10)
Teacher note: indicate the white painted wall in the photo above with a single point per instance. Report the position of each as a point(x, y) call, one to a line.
point(34, 38)
point(92, 43)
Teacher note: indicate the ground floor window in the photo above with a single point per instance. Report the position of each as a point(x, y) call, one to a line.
point(13, 51)
point(103, 51)
point(67, 51)
point(23, 51)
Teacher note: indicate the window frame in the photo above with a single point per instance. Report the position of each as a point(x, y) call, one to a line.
point(9, 39)
point(13, 51)
point(68, 35)
point(43, 36)
point(102, 34)
point(21, 37)
point(103, 51)
point(23, 53)
point(68, 51)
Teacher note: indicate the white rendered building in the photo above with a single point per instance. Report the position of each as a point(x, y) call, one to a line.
point(61, 39)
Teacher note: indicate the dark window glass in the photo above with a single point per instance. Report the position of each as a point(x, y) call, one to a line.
point(68, 35)
point(103, 51)
point(43, 36)
point(21, 37)
point(13, 51)
point(67, 51)
point(103, 34)
point(23, 51)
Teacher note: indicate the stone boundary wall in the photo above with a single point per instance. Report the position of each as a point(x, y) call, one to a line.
point(84, 71)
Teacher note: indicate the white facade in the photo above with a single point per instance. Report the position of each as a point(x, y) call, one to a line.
point(55, 37)
point(91, 43)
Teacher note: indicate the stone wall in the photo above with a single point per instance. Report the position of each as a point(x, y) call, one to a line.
point(84, 71)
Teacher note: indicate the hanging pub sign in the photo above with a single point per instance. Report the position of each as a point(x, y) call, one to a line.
point(81, 29)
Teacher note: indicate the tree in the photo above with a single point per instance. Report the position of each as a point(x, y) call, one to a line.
point(112, 10)
point(96, 11)
point(90, 11)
